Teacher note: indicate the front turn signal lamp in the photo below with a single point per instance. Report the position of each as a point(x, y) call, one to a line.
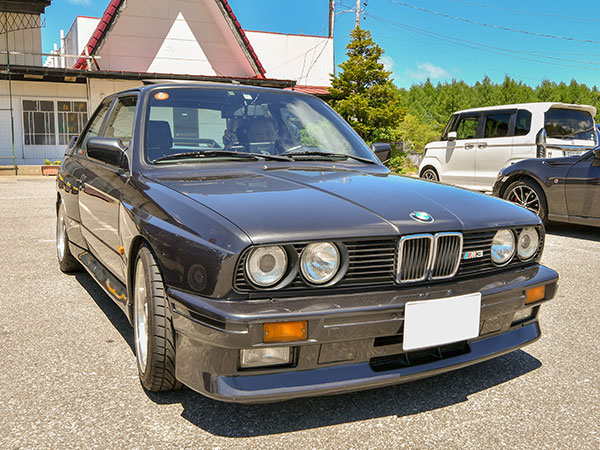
point(285, 331)
point(535, 294)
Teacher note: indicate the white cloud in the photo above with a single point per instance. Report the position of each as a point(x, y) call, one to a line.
point(388, 63)
point(427, 70)
point(80, 2)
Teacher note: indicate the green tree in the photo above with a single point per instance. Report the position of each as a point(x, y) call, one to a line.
point(363, 93)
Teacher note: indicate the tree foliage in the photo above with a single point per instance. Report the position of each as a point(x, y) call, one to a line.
point(362, 92)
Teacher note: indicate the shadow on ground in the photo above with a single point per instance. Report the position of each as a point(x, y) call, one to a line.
point(237, 420)
point(587, 233)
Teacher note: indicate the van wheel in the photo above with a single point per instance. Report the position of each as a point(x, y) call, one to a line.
point(153, 331)
point(528, 194)
point(430, 174)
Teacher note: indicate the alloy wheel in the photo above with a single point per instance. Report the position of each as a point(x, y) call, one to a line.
point(141, 315)
point(526, 197)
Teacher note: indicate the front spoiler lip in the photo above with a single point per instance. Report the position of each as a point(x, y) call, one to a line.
point(353, 377)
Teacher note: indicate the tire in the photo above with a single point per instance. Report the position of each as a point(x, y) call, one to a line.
point(66, 261)
point(154, 338)
point(430, 174)
point(528, 194)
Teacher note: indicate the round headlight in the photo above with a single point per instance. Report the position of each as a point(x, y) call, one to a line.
point(528, 243)
point(266, 265)
point(320, 262)
point(503, 247)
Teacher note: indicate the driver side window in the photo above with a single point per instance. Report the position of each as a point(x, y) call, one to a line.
point(95, 126)
point(467, 127)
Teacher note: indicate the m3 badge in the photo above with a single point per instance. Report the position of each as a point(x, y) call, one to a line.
point(472, 255)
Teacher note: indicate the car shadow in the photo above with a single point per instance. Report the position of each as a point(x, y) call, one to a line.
point(583, 232)
point(239, 420)
point(107, 306)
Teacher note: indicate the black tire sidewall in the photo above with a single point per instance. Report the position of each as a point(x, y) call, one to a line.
point(532, 185)
point(432, 170)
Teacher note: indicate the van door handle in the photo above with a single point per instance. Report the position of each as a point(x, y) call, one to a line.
point(482, 145)
point(469, 146)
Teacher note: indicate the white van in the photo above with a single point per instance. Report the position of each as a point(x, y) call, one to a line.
point(477, 143)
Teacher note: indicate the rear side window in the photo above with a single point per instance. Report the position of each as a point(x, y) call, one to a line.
point(523, 123)
point(569, 124)
point(496, 125)
point(467, 127)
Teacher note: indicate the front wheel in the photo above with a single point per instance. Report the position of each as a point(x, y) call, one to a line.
point(430, 174)
point(153, 330)
point(529, 195)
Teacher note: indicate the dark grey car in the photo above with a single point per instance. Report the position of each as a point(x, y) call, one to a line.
point(294, 264)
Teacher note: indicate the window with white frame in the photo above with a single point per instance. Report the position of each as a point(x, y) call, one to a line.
point(41, 116)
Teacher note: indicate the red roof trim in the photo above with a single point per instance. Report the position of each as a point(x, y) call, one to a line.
point(314, 90)
point(99, 32)
point(244, 38)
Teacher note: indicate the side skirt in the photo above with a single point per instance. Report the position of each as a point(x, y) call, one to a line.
point(107, 281)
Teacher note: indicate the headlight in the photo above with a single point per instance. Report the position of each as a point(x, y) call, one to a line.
point(528, 243)
point(320, 262)
point(503, 247)
point(266, 265)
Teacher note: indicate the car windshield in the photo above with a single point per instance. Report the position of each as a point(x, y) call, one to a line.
point(186, 125)
point(569, 124)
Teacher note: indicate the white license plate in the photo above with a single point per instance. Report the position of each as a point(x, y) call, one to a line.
point(442, 321)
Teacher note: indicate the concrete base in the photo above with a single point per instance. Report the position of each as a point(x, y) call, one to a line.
point(29, 170)
point(8, 170)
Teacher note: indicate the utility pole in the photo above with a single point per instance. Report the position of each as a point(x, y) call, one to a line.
point(331, 17)
point(357, 15)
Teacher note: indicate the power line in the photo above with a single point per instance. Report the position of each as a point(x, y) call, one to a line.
point(522, 11)
point(490, 48)
point(498, 27)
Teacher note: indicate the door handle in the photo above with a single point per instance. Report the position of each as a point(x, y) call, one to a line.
point(482, 145)
point(469, 146)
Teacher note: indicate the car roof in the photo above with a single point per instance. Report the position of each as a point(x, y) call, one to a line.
point(539, 107)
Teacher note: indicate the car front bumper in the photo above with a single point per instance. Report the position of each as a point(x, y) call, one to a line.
point(354, 340)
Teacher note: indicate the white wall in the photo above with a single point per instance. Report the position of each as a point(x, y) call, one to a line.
point(31, 90)
point(27, 41)
point(101, 88)
point(179, 36)
point(306, 59)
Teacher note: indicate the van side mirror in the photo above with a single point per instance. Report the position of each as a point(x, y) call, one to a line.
point(382, 150)
point(452, 135)
point(108, 150)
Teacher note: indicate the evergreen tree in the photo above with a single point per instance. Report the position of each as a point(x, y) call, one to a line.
point(363, 93)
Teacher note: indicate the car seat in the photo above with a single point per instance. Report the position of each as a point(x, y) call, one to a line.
point(159, 141)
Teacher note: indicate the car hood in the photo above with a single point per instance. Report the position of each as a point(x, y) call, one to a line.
point(273, 204)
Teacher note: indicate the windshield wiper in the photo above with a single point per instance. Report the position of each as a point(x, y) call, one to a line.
point(572, 134)
point(330, 155)
point(219, 153)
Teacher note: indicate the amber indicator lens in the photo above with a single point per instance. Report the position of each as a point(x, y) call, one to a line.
point(535, 294)
point(285, 331)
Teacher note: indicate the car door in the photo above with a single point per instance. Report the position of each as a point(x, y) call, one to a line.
point(102, 189)
point(582, 190)
point(459, 161)
point(72, 171)
point(494, 150)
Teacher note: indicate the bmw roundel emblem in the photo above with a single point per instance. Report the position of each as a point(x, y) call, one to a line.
point(421, 216)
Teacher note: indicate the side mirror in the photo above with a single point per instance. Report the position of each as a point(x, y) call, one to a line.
point(452, 135)
point(540, 142)
point(382, 150)
point(108, 150)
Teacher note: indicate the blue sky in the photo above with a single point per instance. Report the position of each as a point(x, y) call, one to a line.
point(473, 42)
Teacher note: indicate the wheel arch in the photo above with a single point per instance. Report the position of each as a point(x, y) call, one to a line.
point(134, 248)
point(429, 166)
point(518, 177)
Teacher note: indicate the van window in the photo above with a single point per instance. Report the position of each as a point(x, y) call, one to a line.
point(523, 123)
point(467, 127)
point(449, 127)
point(569, 124)
point(496, 125)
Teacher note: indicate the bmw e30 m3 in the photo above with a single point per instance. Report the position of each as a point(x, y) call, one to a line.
point(262, 252)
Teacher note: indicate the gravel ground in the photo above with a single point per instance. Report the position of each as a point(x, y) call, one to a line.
point(68, 376)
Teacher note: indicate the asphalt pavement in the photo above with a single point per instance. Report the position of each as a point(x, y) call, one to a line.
point(68, 377)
